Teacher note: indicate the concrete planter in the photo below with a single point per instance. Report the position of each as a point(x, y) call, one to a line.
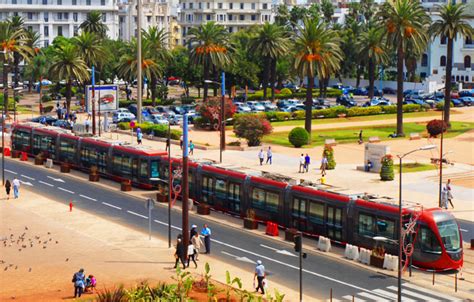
point(203, 209)
point(250, 224)
point(161, 197)
point(15, 153)
point(39, 161)
point(126, 186)
point(65, 168)
point(290, 234)
point(94, 177)
point(376, 261)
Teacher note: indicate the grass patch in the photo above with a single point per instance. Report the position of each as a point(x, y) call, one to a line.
point(350, 134)
point(414, 167)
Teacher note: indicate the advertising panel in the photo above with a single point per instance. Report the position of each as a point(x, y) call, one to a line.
point(105, 95)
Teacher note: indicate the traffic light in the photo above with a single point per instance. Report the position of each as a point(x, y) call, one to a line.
point(298, 243)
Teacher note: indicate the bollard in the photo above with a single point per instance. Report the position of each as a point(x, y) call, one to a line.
point(70, 206)
point(330, 295)
point(433, 278)
point(456, 283)
point(353, 298)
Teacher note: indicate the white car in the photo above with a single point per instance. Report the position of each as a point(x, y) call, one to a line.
point(242, 108)
point(256, 106)
point(122, 117)
point(269, 106)
point(158, 119)
point(124, 110)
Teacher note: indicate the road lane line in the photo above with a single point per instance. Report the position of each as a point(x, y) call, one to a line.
point(66, 190)
point(431, 292)
point(87, 197)
point(136, 214)
point(463, 230)
point(45, 183)
point(355, 298)
point(269, 247)
point(412, 294)
point(10, 171)
point(392, 295)
point(166, 224)
point(27, 177)
point(373, 297)
point(111, 205)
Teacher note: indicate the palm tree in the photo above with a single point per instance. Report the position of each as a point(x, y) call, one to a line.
point(94, 24)
point(157, 41)
point(17, 23)
point(317, 53)
point(404, 22)
point(33, 43)
point(271, 43)
point(372, 46)
point(89, 47)
point(210, 48)
point(453, 22)
point(68, 65)
point(12, 41)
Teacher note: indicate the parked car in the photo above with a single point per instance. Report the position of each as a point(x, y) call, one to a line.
point(467, 100)
point(151, 110)
point(377, 92)
point(178, 109)
point(291, 86)
point(413, 92)
point(346, 100)
point(47, 118)
point(158, 119)
point(133, 109)
point(269, 106)
point(464, 93)
point(256, 106)
point(120, 117)
point(321, 104)
point(122, 110)
point(413, 102)
point(457, 103)
point(389, 90)
point(62, 124)
point(176, 119)
point(242, 108)
point(359, 91)
point(378, 101)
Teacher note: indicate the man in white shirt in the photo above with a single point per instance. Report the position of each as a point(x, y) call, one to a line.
point(16, 187)
point(269, 155)
point(261, 156)
point(302, 163)
point(260, 275)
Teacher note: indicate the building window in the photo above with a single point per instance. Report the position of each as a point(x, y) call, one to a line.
point(46, 43)
point(457, 78)
point(60, 30)
point(424, 60)
point(191, 6)
point(60, 16)
point(74, 2)
point(200, 5)
point(230, 17)
point(208, 5)
point(14, 2)
point(467, 62)
point(46, 17)
point(148, 19)
point(422, 75)
point(231, 29)
point(253, 17)
point(30, 1)
point(102, 2)
point(46, 31)
point(442, 61)
point(265, 5)
point(468, 41)
point(231, 5)
point(219, 5)
point(15, 14)
point(76, 30)
point(443, 40)
point(66, 16)
point(60, 2)
point(30, 16)
point(88, 2)
point(208, 17)
point(74, 17)
point(241, 6)
point(104, 17)
point(45, 2)
point(241, 17)
point(253, 6)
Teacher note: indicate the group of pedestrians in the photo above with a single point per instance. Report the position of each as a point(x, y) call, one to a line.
point(194, 247)
point(181, 144)
point(261, 156)
point(16, 188)
point(305, 161)
point(83, 284)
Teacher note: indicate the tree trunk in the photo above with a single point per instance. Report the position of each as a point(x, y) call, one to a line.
point(358, 74)
point(447, 92)
point(266, 70)
point(214, 76)
point(326, 84)
point(16, 63)
point(30, 84)
point(5, 88)
point(68, 96)
point(309, 105)
point(400, 57)
point(321, 87)
point(206, 77)
point(371, 77)
point(153, 82)
point(272, 78)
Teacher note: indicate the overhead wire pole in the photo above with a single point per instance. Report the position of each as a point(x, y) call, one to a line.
point(93, 99)
point(185, 214)
point(170, 184)
point(441, 162)
point(139, 61)
point(222, 125)
point(5, 98)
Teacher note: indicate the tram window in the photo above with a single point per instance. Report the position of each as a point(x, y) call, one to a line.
point(220, 188)
point(449, 232)
point(385, 228)
point(299, 207)
point(154, 171)
point(258, 198)
point(234, 191)
point(21, 138)
point(428, 241)
point(316, 212)
point(206, 183)
point(366, 225)
point(123, 164)
point(144, 168)
point(273, 199)
point(88, 156)
point(67, 150)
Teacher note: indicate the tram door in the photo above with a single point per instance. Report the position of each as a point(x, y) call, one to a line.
point(334, 223)
point(234, 197)
point(298, 214)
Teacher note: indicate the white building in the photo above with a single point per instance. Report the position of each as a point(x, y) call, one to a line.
point(234, 15)
point(52, 18)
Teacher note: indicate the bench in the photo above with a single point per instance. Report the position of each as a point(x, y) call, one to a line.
point(374, 139)
point(330, 142)
point(414, 136)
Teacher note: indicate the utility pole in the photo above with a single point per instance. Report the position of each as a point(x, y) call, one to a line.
point(441, 162)
point(93, 100)
point(222, 141)
point(185, 186)
point(170, 184)
point(298, 241)
point(139, 61)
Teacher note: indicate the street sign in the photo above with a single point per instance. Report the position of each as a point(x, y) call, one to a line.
point(132, 124)
point(150, 204)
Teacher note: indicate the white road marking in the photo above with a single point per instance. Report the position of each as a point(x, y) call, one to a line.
point(27, 177)
point(166, 224)
point(463, 230)
point(26, 183)
point(437, 294)
point(45, 183)
point(283, 252)
point(412, 294)
point(10, 171)
point(238, 258)
point(111, 205)
point(66, 190)
point(55, 179)
point(87, 197)
point(392, 295)
point(373, 297)
point(355, 298)
point(136, 214)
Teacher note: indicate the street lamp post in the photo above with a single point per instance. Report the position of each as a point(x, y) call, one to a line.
point(400, 216)
point(93, 100)
point(169, 184)
point(185, 204)
point(441, 162)
point(221, 115)
point(5, 98)
point(139, 61)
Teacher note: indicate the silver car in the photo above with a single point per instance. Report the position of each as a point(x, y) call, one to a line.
point(158, 119)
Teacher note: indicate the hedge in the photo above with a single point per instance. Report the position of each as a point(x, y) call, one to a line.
point(149, 128)
point(257, 96)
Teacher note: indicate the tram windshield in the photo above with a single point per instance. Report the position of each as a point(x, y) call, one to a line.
point(449, 232)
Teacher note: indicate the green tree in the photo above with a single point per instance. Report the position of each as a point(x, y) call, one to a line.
point(452, 24)
point(282, 16)
point(372, 46)
point(271, 43)
point(33, 39)
point(68, 65)
point(328, 10)
point(89, 47)
point(317, 53)
point(297, 14)
point(181, 66)
point(94, 24)
point(210, 48)
point(17, 23)
point(404, 22)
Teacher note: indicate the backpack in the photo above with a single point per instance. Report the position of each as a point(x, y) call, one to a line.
point(74, 278)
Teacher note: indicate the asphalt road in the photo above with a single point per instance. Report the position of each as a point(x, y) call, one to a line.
point(229, 244)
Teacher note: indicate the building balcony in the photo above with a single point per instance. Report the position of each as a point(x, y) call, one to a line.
point(41, 8)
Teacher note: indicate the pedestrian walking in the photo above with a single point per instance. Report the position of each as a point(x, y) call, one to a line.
point(360, 137)
point(193, 231)
point(260, 275)
point(8, 187)
point(269, 155)
point(324, 165)
point(206, 233)
point(179, 254)
point(307, 161)
point(302, 163)
point(87, 123)
point(449, 194)
point(181, 142)
point(191, 255)
point(139, 137)
point(444, 198)
point(197, 243)
point(191, 148)
point(16, 187)
point(261, 156)
point(79, 279)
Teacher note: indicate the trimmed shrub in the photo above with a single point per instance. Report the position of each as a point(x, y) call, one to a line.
point(436, 127)
point(386, 172)
point(124, 126)
point(389, 109)
point(329, 153)
point(45, 98)
point(149, 128)
point(411, 108)
point(360, 111)
point(298, 115)
point(298, 137)
point(440, 106)
point(252, 128)
point(285, 91)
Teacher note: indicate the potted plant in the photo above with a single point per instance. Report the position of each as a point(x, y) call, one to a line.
point(94, 174)
point(39, 159)
point(126, 185)
point(65, 167)
point(15, 153)
point(386, 172)
point(250, 222)
point(203, 209)
point(290, 234)
point(162, 194)
point(329, 153)
point(377, 257)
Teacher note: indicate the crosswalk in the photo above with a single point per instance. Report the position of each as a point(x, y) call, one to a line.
point(410, 293)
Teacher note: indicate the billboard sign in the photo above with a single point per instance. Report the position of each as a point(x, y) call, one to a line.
point(105, 95)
